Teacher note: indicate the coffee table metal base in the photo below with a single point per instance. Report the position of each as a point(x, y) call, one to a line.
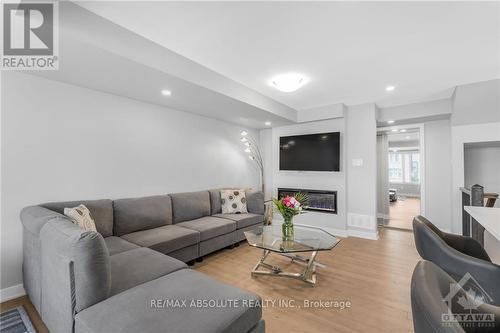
point(308, 275)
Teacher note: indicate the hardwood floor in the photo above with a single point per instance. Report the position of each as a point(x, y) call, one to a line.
point(373, 275)
point(402, 213)
point(30, 310)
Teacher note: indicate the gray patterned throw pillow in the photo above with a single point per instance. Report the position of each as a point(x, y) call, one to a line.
point(233, 201)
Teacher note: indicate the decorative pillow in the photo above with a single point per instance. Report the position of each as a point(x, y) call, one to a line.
point(233, 201)
point(81, 216)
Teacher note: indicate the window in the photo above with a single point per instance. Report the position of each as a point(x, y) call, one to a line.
point(404, 167)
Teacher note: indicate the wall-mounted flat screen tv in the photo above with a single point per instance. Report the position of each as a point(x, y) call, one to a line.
point(312, 152)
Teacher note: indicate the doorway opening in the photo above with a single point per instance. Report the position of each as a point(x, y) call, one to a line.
point(400, 175)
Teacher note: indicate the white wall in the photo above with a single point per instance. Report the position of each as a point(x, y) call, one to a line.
point(438, 173)
point(461, 135)
point(436, 108)
point(476, 103)
point(361, 143)
point(331, 181)
point(482, 166)
point(321, 113)
point(475, 119)
point(62, 142)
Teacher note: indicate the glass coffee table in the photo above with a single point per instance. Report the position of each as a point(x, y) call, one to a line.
point(306, 239)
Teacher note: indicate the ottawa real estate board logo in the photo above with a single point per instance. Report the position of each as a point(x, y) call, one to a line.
point(30, 35)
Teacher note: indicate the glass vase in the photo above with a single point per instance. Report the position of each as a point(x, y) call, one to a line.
point(287, 228)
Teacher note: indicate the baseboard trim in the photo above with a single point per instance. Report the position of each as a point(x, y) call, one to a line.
point(368, 234)
point(9, 293)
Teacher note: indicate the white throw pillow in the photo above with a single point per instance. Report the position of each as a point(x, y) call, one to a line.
point(81, 216)
point(233, 201)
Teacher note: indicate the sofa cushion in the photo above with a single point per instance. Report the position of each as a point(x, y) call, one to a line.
point(233, 201)
point(243, 220)
point(81, 216)
point(117, 245)
point(101, 210)
point(190, 206)
point(140, 265)
point(135, 214)
point(144, 308)
point(215, 202)
point(255, 202)
point(209, 226)
point(164, 239)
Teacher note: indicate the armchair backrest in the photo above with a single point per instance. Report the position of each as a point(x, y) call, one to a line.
point(429, 287)
point(435, 294)
point(433, 248)
point(429, 241)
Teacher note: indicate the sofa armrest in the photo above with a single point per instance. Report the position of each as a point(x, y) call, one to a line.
point(34, 218)
point(255, 202)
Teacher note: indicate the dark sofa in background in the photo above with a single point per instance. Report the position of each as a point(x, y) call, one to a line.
point(84, 281)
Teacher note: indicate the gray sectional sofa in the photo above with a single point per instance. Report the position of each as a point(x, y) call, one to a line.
point(120, 278)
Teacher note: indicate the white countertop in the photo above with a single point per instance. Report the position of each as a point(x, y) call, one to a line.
point(488, 217)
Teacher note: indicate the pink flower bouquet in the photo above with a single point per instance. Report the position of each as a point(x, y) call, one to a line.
point(288, 207)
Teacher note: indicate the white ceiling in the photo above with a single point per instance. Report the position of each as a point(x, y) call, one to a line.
point(98, 54)
point(351, 51)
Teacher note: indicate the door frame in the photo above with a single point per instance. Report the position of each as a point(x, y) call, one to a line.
point(421, 129)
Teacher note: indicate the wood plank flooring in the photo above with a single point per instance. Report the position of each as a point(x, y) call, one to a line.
point(30, 310)
point(373, 275)
point(402, 213)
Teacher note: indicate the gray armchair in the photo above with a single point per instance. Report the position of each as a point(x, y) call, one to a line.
point(457, 256)
point(432, 297)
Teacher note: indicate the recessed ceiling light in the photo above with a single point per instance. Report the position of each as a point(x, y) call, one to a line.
point(166, 92)
point(288, 82)
point(390, 88)
point(407, 137)
point(403, 130)
point(394, 130)
point(390, 121)
point(267, 123)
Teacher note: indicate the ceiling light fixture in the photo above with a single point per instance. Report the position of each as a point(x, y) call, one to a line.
point(394, 130)
point(166, 92)
point(244, 133)
point(390, 121)
point(390, 88)
point(248, 150)
point(267, 123)
point(407, 137)
point(403, 130)
point(288, 82)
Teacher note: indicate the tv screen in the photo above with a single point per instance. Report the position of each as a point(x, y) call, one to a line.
point(312, 152)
